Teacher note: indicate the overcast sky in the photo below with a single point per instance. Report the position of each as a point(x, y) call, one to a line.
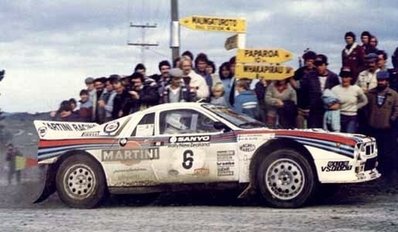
point(49, 47)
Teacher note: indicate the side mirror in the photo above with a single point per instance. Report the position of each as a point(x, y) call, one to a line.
point(221, 126)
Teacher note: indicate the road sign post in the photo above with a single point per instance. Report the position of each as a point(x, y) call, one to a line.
point(209, 23)
point(266, 71)
point(231, 42)
point(270, 55)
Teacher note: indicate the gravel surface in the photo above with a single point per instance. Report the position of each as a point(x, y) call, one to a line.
point(366, 207)
point(363, 207)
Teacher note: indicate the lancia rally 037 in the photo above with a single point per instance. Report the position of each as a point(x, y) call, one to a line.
point(188, 144)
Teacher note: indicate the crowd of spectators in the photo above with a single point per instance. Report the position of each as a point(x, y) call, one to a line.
point(360, 98)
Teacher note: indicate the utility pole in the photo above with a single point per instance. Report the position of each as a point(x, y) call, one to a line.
point(174, 31)
point(143, 44)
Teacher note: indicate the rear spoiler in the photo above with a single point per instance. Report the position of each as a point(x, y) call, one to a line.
point(49, 130)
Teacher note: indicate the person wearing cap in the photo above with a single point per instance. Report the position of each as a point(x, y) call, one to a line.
point(382, 113)
point(351, 98)
point(367, 78)
point(353, 55)
point(176, 91)
point(89, 81)
point(303, 101)
point(312, 87)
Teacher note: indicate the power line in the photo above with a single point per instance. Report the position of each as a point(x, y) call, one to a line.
point(143, 44)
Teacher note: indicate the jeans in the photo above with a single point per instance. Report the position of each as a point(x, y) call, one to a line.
point(348, 123)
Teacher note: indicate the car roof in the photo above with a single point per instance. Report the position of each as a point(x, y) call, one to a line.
point(177, 105)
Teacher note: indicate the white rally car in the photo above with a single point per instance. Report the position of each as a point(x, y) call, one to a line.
point(171, 146)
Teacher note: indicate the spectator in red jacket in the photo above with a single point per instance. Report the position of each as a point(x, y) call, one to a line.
point(353, 56)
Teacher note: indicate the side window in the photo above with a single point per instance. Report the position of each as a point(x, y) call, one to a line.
point(145, 127)
point(185, 122)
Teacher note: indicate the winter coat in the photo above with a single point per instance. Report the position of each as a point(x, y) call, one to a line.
point(185, 95)
point(382, 116)
point(273, 94)
point(287, 115)
point(220, 101)
point(246, 103)
point(149, 96)
point(311, 88)
point(299, 74)
point(354, 59)
point(122, 102)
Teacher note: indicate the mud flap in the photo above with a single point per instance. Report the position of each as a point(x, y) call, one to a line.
point(48, 185)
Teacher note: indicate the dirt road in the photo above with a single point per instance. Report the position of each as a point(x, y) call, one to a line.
point(370, 207)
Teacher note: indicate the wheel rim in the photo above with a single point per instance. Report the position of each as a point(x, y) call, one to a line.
point(285, 179)
point(79, 181)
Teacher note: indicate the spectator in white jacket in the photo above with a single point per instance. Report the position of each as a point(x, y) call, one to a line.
point(196, 82)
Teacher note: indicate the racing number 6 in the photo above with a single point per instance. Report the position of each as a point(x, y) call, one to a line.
point(187, 159)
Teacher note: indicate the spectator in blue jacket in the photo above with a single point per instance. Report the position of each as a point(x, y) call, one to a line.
point(246, 101)
point(331, 118)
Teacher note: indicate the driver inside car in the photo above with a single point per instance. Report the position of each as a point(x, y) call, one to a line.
point(175, 124)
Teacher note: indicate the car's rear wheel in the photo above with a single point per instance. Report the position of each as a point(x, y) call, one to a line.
point(80, 182)
point(285, 179)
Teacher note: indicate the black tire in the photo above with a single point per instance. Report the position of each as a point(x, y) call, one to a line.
point(80, 182)
point(285, 179)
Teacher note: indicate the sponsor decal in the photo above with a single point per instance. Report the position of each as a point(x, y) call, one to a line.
point(42, 131)
point(123, 142)
point(247, 147)
point(130, 154)
point(188, 145)
point(256, 137)
point(361, 176)
point(59, 126)
point(90, 134)
point(335, 166)
point(190, 139)
point(225, 163)
point(201, 171)
point(111, 127)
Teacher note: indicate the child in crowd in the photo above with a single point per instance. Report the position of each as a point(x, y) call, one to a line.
point(331, 118)
point(217, 95)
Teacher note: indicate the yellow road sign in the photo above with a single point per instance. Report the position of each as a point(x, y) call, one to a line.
point(271, 55)
point(231, 42)
point(208, 23)
point(266, 71)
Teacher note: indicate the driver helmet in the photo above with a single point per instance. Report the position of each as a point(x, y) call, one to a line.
point(174, 120)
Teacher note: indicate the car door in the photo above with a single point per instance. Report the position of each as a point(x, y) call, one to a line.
point(133, 154)
point(195, 151)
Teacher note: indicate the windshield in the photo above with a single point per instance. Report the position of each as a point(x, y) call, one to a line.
point(239, 120)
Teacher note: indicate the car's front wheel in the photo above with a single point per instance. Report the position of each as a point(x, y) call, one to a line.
point(80, 182)
point(285, 179)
